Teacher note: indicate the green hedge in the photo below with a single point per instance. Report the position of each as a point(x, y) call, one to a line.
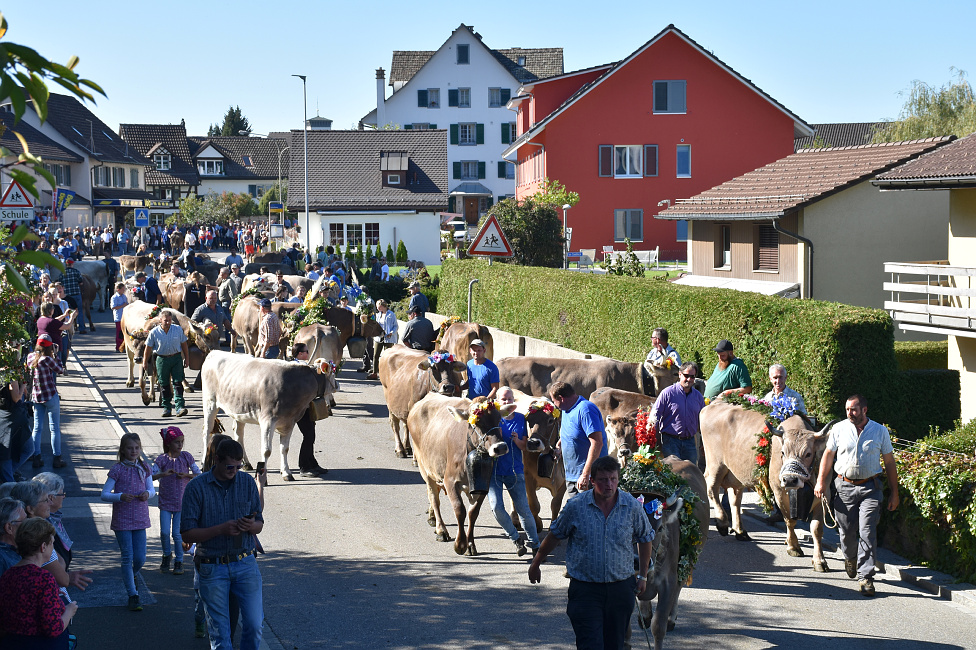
point(922, 355)
point(831, 350)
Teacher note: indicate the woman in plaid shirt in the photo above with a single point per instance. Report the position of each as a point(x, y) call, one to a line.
point(44, 369)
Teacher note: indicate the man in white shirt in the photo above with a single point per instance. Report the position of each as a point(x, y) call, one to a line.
point(387, 320)
point(384, 270)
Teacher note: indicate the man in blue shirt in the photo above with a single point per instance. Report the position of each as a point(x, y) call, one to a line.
point(172, 356)
point(675, 413)
point(582, 438)
point(482, 372)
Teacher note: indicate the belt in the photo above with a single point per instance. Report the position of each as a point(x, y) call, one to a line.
point(223, 559)
point(674, 435)
point(167, 356)
point(857, 481)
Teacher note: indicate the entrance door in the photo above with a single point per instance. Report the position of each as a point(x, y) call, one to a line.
point(471, 210)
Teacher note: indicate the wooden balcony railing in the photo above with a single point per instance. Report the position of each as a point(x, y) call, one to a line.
point(932, 297)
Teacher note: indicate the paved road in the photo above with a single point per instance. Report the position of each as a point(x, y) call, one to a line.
point(352, 563)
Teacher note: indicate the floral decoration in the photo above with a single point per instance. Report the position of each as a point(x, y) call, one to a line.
point(480, 409)
point(156, 311)
point(446, 324)
point(438, 357)
point(546, 407)
point(327, 367)
point(645, 430)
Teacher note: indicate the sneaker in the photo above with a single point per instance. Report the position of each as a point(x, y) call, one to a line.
point(164, 565)
point(309, 473)
point(520, 547)
point(200, 630)
point(134, 605)
point(178, 568)
point(867, 586)
point(167, 413)
point(180, 413)
point(851, 567)
point(36, 461)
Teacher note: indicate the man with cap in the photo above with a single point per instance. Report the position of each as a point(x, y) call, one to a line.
point(376, 271)
point(211, 311)
point(388, 321)
point(269, 332)
point(226, 292)
point(483, 376)
point(419, 332)
point(237, 276)
point(71, 279)
point(418, 301)
point(168, 343)
point(730, 374)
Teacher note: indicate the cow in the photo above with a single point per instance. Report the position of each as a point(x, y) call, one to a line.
point(619, 409)
point(729, 434)
point(260, 282)
point(322, 342)
point(457, 339)
point(89, 291)
point(136, 263)
point(322, 286)
point(444, 430)
point(542, 422)
point(246, 322)
point(663, 580)
point(268, 258)
point(534, 374)
point(407, 376)
point(96, 270)
point(270, 393)
point(175, 242)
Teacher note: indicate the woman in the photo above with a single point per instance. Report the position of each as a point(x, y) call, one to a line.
point(44, 369)
point(16, 445)
point(53, 486)
point(31, 612)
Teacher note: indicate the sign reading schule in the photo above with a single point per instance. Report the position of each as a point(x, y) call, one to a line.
point(16, 204)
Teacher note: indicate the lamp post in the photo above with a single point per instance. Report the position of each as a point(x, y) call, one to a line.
point(566, 208)
point(305, 134)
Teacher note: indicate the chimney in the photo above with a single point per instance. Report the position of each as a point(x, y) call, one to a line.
point(380, 98)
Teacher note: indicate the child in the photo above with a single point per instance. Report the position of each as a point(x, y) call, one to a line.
point(174, 469)
point(119, 301)
point(128, 488)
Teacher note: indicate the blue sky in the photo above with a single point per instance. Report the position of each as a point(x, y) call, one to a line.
point(826, 61)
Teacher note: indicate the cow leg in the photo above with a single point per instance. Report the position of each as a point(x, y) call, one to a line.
point(240, 439)
point(267, 433)
point(557, 501)
point(209, 416)
point(714, 498)
point(472, 518)
point(531, 493)
point(187, 386)
point(454, 494)
point(816, 531)
point(434, 499)
point(792, 542)
point(740, 531)
point(130, 381)
point(398, 447)
point(284, 442)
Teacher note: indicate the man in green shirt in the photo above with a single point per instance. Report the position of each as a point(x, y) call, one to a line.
point(730, 374)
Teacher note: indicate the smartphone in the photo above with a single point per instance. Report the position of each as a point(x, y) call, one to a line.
point(251, 516)
point(259, 470)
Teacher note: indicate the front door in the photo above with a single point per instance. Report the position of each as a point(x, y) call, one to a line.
point(471, 210)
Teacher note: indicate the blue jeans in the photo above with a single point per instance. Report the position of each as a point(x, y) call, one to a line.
point(683, 449)
point(165, 519)
point(515, 484)
point(47, 417)
point(132, 543)
point(217, 583)
point(272, 352)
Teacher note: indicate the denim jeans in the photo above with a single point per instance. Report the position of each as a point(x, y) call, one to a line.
point(515, 484)
point(217, 583)
point(132, 543)
point(272, 352)
point(683, 449)
point(47, 417)
point(165, 519)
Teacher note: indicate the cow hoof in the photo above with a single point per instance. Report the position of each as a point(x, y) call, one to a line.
point(471, 550)
point(400, 453)
point(129, 384)
point(189, 389)
point(247, 467)
point(794, 552)
point(743, 537)
point(288, 477)
point(442, 536)
point(820, 567)
point(146, 401)
point(409, 451)
point(431, 522)
point(722, 530)
point(415, 463)
point(670, 626)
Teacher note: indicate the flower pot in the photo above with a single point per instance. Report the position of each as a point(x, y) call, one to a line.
point(479, 466)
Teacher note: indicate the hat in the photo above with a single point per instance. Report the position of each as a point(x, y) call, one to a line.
point(69, 261)
point(479, 343)
point(169, 434)
point(45, 340)
point(723, 346)
point(265, 303)
point(414, 285)
point(235, 266)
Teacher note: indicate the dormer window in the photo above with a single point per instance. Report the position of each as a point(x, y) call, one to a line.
point(162, 160)
point(393, 166)
point(247, 161)
point(521, 61)
point(393, 179)
point(210, 167)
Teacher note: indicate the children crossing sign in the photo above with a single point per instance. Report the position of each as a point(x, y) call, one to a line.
point(16, 204)
point(490, 240)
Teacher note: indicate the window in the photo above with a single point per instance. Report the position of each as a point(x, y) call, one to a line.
point(134, 178)
point(464, 97)
point(463, 54)
point(723, 246)
point(628, 224)
point(484, 204)
point(469, 170)
point(393, 179)
point(258, 191)
point(467, 133)
point(102, 177)
point(521, 60)
point(767, 249)
point(429, 98)
point(354, 233)
point(506, 169)
point(498, 97)
point(163, 161)
point(61, 173)
point(669, 97)
point(681, 229)
point(684, 161)
point(509, 132)
point(373, 233)
point(420, 126)
point(210, 167)
point(627, 161)
point(118, 177)
point(650, 160)
point(247, 161)
point(164, 193)
point(336, 234)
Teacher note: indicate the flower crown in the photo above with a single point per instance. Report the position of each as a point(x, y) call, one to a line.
point(327, 367)
point(437, 357)
point(480, 409)
point(545, 406)
point(209, 329)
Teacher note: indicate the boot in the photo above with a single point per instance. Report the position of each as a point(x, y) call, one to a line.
point(37, 462)
point(58, 463)
point(164, 566)
point(177, 568)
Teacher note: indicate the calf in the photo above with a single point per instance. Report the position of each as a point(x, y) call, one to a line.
point(136, 263)
point(619, 409)
point(89, 291)
point(322, 342)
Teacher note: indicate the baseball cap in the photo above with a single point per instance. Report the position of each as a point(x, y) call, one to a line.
point(723, 346)
point(414, 285)
point(45, 340)
point(479, 343)
point(265, 303)
point(69, 261)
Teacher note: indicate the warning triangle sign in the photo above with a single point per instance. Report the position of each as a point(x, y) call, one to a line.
point(15, 197)
point(490, 240)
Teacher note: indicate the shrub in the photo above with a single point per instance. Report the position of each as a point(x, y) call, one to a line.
point(401, 254)
point(922, 355)
point(390, 257)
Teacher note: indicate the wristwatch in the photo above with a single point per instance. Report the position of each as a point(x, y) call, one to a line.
point(644, 578)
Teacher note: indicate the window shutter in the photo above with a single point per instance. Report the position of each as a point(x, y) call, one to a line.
point(455, 137)
point(457, 169)
point(252, 190)
point(408, 127)
point(490, 201)
point(506, 138)
point(650, 160)
point(501, 168)
point(422, 98)
point(452, 97)
point(481, 170)
point(677, 90)
point(506, 95)
point(450, 199)
point(431, 126)
point(606, 160)
point(660, 96)
point(768, 249)
point(480, 134)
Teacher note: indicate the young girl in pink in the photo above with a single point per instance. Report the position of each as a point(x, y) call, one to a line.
point(128, 488)
point(173, 470)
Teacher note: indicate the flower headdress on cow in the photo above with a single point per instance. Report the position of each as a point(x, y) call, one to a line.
point(209, 329)
point(325, 366)
point(437, 357)
point(480, 408)
point(545, 406)
point(667, 363)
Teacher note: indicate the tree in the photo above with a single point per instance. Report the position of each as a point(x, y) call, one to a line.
point(274, 194)
point(390, 257)
point(555, 194)
point(234, 206)
point(931, 112)
point(401, 254)
point(233, 123)
point(191, 211)
point(534, 231)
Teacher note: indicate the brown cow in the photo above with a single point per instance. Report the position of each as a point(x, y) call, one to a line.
point(407, 376)
point(729, 434)
point(136, 263)
point(619, 409)
point(442, 437)
point(457, 340)
point(89, 291)
point(322, 342)
point(268, 258)
point(534, 374)
point(246, 321)
point(543, 435)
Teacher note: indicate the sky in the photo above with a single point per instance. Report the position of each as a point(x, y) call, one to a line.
point(827, 61)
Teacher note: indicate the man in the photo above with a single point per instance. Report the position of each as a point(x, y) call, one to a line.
point(384, 270)
point(777, 377)
point(12, 514)
point(107, 241)
point(344, 303)
point(314, 274)
point(237, 276)
point(602, 526)
point(376, 271)
point(660, 349)
point(855, 448)
point(582, 438)
point(149, 288)
point(509, 474)
point(675, 413)
point(170, 345)
point(419, 332)
point(307, 465)
point(269, 332)
point(730, 374)
point(188, 257)
point(71, 279)
point(221, 515)
point(483, 375)
point(123, 239)
point(176, 270)
point(211, 311)
point(387, 320)
point(226, 289)
point(234, 258)
point(281, 284)
point(299, 297)
point(112, 270)
point(418, 301)
point(190, 240)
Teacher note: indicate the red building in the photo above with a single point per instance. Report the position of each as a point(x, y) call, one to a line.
point(667, 122)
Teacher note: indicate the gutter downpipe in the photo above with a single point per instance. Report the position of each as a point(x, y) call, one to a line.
point(470, 288)
point(806, 241)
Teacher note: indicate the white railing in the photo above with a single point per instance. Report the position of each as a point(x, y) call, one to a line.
point(932, 297)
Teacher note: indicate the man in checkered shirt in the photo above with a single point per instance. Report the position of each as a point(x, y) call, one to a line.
point(71, 280)
point(269, 332)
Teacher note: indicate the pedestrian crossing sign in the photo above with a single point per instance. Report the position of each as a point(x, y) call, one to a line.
point(490, 240)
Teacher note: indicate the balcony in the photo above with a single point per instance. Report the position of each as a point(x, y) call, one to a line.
point(932, 297)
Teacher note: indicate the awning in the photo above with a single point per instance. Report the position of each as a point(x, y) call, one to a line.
point(118, 198)
point(765, 287)
point(471, 189)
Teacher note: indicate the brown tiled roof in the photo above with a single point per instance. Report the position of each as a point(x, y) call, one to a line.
point(80, 126)
point(344, 170)
point(845, 134)
point(951, 166)
point(406, 63)
point(38, 143)
point(148, 138)
point(262, 152)
point(797, 180)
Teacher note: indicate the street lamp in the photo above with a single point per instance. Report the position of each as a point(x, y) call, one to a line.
point(308, 247)
point(566, 208)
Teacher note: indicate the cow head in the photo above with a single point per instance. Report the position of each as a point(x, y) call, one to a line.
point(205, 336)
point(622, 435)
point(542, 421)
point(659, 376)
point(484, 424)
point(801, 449)
point(325, 370)
point(443, 372)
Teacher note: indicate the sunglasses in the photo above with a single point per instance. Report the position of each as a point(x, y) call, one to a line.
point(233, 467)
point(687, 376)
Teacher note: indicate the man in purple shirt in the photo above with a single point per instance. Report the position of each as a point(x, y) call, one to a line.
point(675, 413)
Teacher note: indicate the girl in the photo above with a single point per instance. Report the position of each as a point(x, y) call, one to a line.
point(44, 369)
point(128, 488)
point(174, 469)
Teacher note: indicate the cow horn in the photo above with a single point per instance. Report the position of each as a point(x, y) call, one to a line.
point(774, 427)
point(671, 500)
point(826, 429)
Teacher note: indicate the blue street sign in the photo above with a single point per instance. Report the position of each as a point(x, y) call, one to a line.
point(276, 206)
point(142, 217)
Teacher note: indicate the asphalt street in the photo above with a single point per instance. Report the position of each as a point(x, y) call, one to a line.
point(352, 563)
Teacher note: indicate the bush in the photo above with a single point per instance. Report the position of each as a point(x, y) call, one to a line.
point(392, 291)
point(401, 254)
point(534, 231)
point(922, 355)
point(390, 257)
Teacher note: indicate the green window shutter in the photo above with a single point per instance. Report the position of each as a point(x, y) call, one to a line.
point(506, 136)
point(432, 126)
point(506, 95)
point(457, 170)
point(501, 167)
point(252, 190)
point(455, 137)
point(422, 98)
point(480, 134)
point(490, 202)
point(450, 199)
point(452, 97)
point(408, 127)
point(481, 170)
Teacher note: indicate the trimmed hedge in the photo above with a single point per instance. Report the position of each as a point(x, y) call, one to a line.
point(831, 350)
point(922, 355)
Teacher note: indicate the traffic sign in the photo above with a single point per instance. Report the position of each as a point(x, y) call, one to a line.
point(142, 217)
point(276, 206)
point(490, 240)
point(15, 197)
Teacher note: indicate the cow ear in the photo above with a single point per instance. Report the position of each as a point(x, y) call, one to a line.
point(459, 366)
point(424, 365)
point(507, 409)
point(460, 416)
point(614, 403)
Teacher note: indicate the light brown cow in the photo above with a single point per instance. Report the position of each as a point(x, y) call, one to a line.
point(729, 434)
point(543, 431)
point(619, 409)
point(246, 321)
point(407, 376)
point(268, 258)
point(534, 374)
point(442, 437)
point(457, 340)
point(136, 263)
point(322, 342)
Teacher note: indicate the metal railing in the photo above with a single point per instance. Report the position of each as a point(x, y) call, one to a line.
point(932, 297)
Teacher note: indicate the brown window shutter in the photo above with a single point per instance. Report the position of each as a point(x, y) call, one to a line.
point(606, 160)
point(768, 249)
